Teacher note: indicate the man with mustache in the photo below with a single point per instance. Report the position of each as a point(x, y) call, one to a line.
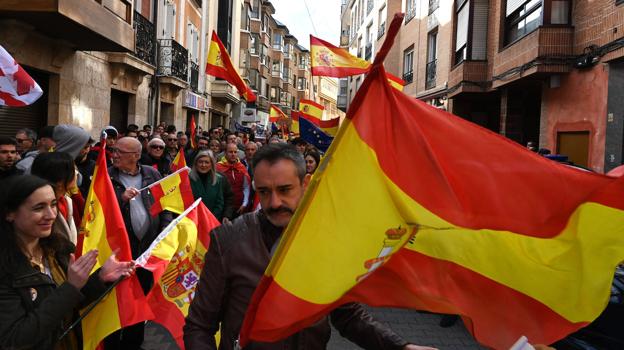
point(240, 252)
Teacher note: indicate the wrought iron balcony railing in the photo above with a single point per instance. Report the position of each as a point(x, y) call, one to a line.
point(411, 12)
point(382, 30)
point(430, 81)
point(408, 77)
point(144, 35)
point(194, 76)
point(369, 6)
point(368, 52)
point(173, 59)
point(433, 5)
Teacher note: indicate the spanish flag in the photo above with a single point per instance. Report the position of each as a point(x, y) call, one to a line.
point(179, 162)
point(172, 193)
point(331, 61)
point(330, 126)
point(513, 242)
point(103, 228)
point(311, 108)
point(276, 114)
point(193, 140)
point(176, 258)
point(220, 65)
point(395, 81)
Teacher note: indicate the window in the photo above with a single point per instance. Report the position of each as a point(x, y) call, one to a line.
point(245, 18)
point(255, 9)
point(461, 30)
point(433, 5)
point(277, 41)
point(277, 69)
point(410, 10)
point(381, 19)
point(254, 74)
point(521, 18)
point(254, 48)
point(430, 73)
point(265, 23)
point(263, 87)
point(408, 64)
point(192, 42)
point(170, 21)
point(301, 83)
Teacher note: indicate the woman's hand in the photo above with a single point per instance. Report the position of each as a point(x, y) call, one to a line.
point(79, 269)
point(113, 269)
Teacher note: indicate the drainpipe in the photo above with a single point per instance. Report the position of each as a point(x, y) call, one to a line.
point(155, 85)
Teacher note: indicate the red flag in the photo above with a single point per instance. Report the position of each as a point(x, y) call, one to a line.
point(172, 193)
point(193, 133)
point(17, 88)
point(220, 65)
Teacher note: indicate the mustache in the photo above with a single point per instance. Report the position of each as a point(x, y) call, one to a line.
point(278, 210)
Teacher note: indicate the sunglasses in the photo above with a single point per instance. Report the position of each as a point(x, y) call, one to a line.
point(172, 139)
point(157, 147)
point(22, 140)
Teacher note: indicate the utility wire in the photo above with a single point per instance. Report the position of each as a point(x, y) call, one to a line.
point(305, 2)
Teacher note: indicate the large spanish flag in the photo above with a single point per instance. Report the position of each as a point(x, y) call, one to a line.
point(103, 228)
point(173, 192)
point(331, 61)
point(176, 258)
point(443, 216)
point(219, 64)
point(276, 114)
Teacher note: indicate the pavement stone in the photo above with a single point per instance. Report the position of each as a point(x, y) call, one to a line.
point(417, 327)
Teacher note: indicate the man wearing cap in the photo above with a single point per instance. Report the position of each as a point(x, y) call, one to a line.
point(155, 157)
point(111, 138)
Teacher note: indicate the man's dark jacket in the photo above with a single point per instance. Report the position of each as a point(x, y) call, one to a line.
point(234, 264)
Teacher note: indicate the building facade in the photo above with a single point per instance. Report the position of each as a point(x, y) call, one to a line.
point(109, 63)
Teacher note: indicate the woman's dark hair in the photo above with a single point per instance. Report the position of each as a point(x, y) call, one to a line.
point(55, 167)
point(314, 154)
point(14, 192)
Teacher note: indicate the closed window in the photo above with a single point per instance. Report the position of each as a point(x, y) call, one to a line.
point(408, 64)
point(522, 18)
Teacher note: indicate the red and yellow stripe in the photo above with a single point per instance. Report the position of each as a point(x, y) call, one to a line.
point(331, 61)
point(513, 242)
point(276, 114)
point(328, 126)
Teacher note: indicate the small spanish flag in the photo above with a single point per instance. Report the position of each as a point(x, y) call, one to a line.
point(179, 162)
point(193, 133)
point(331, 61)
point(311, 108)
point(172, 193)
point(220, 65)
point(275, 114)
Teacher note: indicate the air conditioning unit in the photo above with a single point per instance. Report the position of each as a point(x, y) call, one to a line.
point(248, 115)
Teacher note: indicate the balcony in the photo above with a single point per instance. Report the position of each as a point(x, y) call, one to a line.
point(433, 5)
point(369, 6)
point(173, 59)
point(368, 53)
point(408, 77)
point(222, 89)
point(194, 76)
point(278, 47)
point(430, 75)
point(468, 76)
point(381, 31)
point(85, 24)
point(144, 39)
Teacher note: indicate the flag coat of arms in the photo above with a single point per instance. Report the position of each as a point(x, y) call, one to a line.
point(459, 221)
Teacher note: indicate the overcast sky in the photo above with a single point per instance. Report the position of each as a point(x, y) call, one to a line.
point(325, 14)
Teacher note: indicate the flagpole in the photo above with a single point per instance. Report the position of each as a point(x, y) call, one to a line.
point(164, 178)
point(142, 260)
point(92, 306)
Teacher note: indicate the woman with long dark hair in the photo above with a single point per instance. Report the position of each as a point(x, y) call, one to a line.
point(42, 284)
point(312, 159)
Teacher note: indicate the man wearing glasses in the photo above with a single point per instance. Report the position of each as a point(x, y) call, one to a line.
point(171, 149)
point(26, 139)
point(128, 176)
point(156, 157)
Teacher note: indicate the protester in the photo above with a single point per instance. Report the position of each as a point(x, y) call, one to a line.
point(127, 177)
point(63, 178)
point(236, 174)
point(183, 141)
point(202, 145)
point(208, 184)
point(42, 285)
point(239, 254)
point(26, 139)
point(312, 159)
point(155, 157)
point(45, 143)
point(85, 167)
point(300, 144)
point(8, 157)
point(147, 129)
point(171, 146)
point(111, 138)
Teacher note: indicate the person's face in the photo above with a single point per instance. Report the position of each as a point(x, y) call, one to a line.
point(204, 165)
point(171, 141)
point(231, 138)
point(250, 150)
point(160, 129)
point(132, 134)
point(301, 148)
point(156, 150)
point(220, 132)
point(231, 153)
point(34, 217)
point(110, 141)
point(24, 143)
point(84, 151)
point(274, 140)
point(214, 133)
point(125, 155)
point(148, 130)
point(215, 147)
point(183, 140)
point(46, 143)
point(310, 164)
point(202, 144)
point(8, 156)
point(279, 190)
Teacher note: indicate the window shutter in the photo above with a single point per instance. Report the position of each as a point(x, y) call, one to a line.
point(512, 6)
point(462, 26)
point(479, 30)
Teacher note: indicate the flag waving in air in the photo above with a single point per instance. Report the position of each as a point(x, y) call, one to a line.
point(193, 140)
point(173, 192)
point(103, 228)
point(220, 65)
point(313, 135)
point(276, 114)
point(176, 258)
point(331, 61)
point(329, 127)
point(17, 88)
point(513, 242)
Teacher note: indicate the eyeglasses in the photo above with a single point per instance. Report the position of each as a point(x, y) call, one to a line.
point(172, 139)
point(157, 147)
point(22, 140)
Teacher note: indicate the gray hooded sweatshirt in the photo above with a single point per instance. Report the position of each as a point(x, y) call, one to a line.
point(70, 139)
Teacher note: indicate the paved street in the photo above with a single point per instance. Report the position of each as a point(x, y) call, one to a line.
point(420, 328)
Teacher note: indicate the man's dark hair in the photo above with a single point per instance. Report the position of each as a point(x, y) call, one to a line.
point(147, 126)
point(170, 129)
point(298, 141)
point(61, 162)
point(30, 133)
point(277, 151)
point(132, 127)
point(5, 140)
